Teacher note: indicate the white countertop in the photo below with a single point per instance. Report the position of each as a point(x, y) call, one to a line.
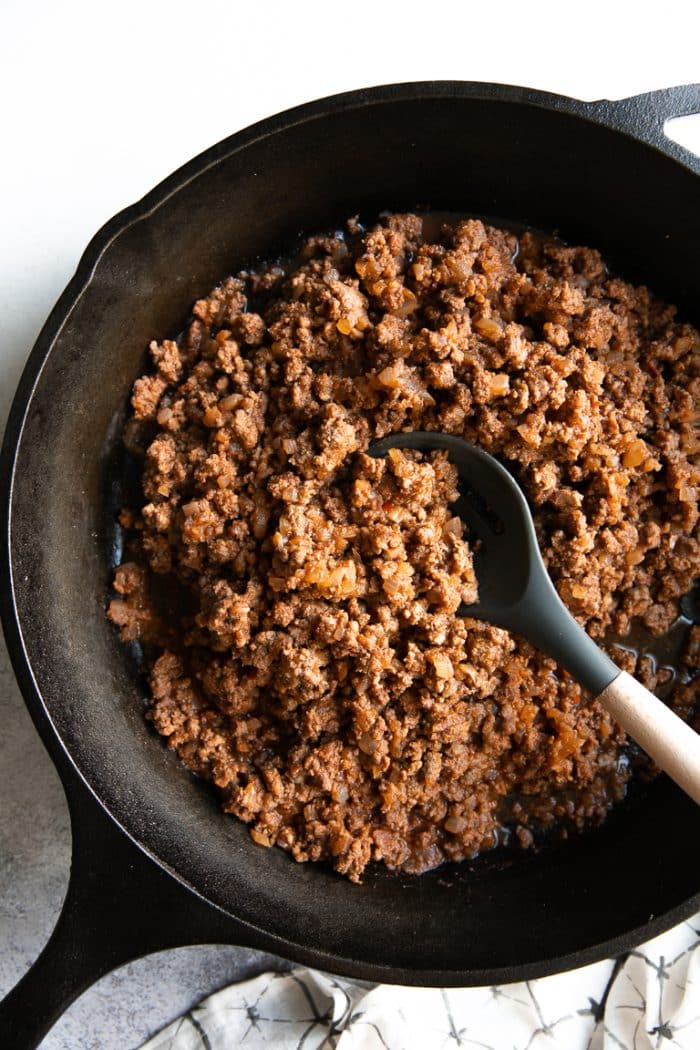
point(100, 103)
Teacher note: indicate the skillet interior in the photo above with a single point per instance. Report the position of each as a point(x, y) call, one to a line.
point(404, 149)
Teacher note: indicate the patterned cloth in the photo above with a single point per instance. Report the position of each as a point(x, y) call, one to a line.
point(649, 998)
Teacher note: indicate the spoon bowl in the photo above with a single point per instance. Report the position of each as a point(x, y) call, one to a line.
point(495, 511)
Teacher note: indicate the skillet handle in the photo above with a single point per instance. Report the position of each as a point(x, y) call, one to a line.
point(119, 906)
point(644, 116)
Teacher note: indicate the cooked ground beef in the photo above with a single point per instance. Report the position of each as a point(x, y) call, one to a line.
point(313, 667)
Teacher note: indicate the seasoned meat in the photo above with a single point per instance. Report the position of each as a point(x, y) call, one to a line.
point(317, 672)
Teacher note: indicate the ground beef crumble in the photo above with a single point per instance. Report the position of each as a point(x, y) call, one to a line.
point(318, 674)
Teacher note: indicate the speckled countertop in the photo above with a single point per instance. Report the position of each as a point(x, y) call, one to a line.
point(104, 105)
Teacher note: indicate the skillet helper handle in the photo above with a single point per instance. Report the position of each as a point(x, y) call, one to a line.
point(645, 116)
point(119, 906)
point(673, 745)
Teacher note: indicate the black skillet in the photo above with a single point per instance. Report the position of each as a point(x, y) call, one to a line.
point(154, 862)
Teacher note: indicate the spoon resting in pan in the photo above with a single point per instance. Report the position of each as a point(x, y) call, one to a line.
point(515, 592)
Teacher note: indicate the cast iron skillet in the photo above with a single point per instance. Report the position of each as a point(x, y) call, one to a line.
point(154, 862)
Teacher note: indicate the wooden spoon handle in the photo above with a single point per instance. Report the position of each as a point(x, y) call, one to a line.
point(673, 745)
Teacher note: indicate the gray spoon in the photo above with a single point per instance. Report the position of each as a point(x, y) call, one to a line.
point(515, 592)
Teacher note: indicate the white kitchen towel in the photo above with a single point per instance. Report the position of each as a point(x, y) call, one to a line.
point(646, 1000)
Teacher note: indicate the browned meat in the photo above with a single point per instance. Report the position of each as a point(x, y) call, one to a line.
point(318, 674)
